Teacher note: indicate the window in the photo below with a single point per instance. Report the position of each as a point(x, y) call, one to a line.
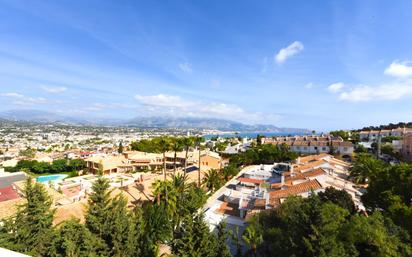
point(323, 148)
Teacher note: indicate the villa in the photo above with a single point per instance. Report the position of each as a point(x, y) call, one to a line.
point(313, 144)
point(264, 187)
point(372, 135)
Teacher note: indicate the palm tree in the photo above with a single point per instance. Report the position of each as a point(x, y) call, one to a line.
point(180, 186)
point(198, 141)
point(187, 142)
point(212, 180)
point(163, 145)
point(252, 237)
point(176, 146)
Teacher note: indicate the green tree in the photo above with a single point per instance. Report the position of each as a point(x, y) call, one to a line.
point(338, 197)
point(222, 249)
point(391, 191)
point(98, 214)
point(118, 226)
point(30, 230)
point(120, 148)
point(253, 238)
point(187, 142)
point(194, 239)
point(73, 240)
point(59, 166)
point(365, 167)
point(198, 142)
point(76, 164)
point(374, 236)
point(212, 180)
point(41, 167)
point(176, 146)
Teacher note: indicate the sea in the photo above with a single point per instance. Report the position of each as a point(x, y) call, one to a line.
point(251, 134)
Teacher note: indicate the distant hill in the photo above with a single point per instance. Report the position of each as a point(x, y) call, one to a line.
point(205, 123)
point(145, 122)
point(36, 116)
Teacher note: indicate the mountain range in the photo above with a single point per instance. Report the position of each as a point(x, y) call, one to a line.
point(37, 116)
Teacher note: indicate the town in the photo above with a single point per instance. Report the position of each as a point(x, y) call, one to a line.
point(236, 187)
point(186, 128)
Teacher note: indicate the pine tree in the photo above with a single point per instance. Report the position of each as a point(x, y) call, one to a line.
point(31, 229)
point(195, 239)
point(117, 226)
point(73, 239)
point(98, 212)
point(120, 149)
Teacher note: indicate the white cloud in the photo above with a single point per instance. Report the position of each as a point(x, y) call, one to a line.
point(399, 69)
point(162, 100)
point(336, 87)
point(185, 67)
point(162, 104)
point(54, 90)
point(19, 99)
point(13, 95)
point(394, 90)
point(288, 52)
point(383, 92)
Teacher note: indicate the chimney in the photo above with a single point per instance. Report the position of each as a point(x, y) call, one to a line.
point(282, 180)
point(297, 161)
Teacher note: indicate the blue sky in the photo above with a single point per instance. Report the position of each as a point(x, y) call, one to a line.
point(313, 64)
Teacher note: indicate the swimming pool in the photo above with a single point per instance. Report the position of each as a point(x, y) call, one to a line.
point(48, 178)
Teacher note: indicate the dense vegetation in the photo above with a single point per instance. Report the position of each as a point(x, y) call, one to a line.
point(327, 224)
point(317, 226)
point(389, 126)
point(263, 154)
point(57, 166)
point(111, 229)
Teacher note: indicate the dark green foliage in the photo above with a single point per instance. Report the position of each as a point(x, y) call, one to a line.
point(361, 149)
point(213, 180)
point(389, 139)
point(98, 209)
point(340, 133)
point(31, 229)
point(58, 166)
point(311, 227)
point(222, 240)
point(389, 126)
point(120, 149)
point(263, 154)
point(195, 239)
point(390, 190)
point(229, 172)
point(338, 197)
point(365, 167)
point(156, 228)
point(73, 239)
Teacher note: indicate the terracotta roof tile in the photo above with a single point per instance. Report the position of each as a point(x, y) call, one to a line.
point(296, 189)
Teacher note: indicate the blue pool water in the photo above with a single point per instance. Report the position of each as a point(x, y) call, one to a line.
point(51, 177)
